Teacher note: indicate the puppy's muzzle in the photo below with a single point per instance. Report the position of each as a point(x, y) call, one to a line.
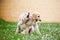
point(36, 20)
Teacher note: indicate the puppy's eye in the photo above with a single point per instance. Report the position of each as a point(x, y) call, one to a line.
point(38, 16)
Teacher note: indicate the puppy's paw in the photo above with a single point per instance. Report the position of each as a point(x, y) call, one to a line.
point(23, 33)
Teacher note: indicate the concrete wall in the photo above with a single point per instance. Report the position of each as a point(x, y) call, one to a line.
point(49, 9)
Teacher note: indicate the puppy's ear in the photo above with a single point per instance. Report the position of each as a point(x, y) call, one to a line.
point(28, 14)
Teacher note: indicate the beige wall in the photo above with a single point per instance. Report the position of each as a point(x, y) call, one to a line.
point(49, 9)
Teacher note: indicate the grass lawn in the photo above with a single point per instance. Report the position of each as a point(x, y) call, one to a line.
point(49, 31)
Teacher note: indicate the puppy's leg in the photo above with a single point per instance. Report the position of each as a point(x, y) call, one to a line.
point(27, 30)
point(31, 29)
point(37, 29)
point(18, 28)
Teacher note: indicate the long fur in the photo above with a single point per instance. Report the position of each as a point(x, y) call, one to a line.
point(28, 22)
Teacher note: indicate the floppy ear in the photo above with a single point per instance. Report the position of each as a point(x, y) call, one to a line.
point(28, 14)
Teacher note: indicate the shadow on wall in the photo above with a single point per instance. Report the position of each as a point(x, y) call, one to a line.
point(49, 9)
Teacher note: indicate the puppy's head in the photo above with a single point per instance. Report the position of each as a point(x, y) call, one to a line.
point(36, 16)
point(27, 15)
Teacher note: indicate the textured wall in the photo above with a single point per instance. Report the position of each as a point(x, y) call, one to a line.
point(49, 9)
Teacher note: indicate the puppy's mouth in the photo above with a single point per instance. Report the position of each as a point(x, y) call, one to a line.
point(36, 20)
point(40, 20)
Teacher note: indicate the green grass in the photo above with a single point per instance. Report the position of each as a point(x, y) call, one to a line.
point(49, 31)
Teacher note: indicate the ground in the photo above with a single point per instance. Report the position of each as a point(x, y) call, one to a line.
point(49, 31)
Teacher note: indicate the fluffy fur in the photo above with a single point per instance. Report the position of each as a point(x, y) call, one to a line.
point(28, 22)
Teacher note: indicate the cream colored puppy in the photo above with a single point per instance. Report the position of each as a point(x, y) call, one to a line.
point(35, 16)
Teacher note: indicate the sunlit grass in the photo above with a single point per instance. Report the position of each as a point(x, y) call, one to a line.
point(49, 31)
